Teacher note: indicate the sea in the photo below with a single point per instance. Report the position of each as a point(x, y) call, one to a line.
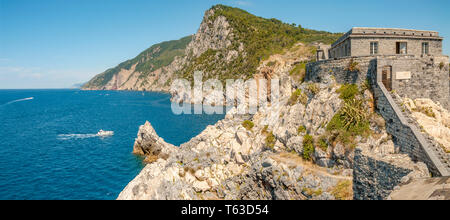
point(50, 150)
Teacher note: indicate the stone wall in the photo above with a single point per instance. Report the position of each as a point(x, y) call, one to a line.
point(375, 179)
point(360, 46)
point(427, 78)
point(339, 69)
point(406, 136)
point(342, 49)
point(356, 42)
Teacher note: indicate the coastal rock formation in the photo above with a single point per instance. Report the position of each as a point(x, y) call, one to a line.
point(267, 160)
point(434, 119)
point(317, 139)
point(220, 48)
point(149, 144)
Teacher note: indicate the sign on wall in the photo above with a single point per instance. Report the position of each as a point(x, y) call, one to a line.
point(403, 75)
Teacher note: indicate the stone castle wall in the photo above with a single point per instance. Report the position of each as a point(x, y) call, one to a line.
point(339, 69)
point(375, 179)
point(428, 79)
point(407, 137)
point(360, 46)
point(357, 41)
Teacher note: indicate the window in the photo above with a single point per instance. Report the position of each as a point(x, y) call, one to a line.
point(402, 48)
point(373, 48)
point(425, 48)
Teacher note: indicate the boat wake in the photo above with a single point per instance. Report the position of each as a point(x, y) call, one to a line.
point(101, 134)
point(75, 136)
point(18, 100)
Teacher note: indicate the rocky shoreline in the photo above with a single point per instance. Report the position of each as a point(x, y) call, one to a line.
point(229, 161)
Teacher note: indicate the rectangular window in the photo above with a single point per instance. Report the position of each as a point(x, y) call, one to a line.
point(425, 48)
point(402, 48)
point(373, 48)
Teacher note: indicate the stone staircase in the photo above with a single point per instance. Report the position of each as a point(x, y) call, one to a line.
point(432, 143)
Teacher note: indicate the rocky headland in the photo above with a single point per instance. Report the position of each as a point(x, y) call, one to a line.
point(322, 140)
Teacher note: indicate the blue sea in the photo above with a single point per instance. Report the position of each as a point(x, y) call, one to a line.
point(49, 148)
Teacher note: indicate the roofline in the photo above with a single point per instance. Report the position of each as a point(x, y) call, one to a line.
point(406, 29)
point(350, 33)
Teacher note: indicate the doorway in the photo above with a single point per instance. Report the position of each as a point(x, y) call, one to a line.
point(387, 77)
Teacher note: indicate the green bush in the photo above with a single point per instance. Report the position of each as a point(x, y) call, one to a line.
point(308, 147)
point(270, 141)
point(271, 63)
point(296, 96)
point(313, 88)
point(348, 91)
point(248, 125)
point(353, 66)
point(299, 72)
point(301, 129)
point(323, 144)
point(349, 122)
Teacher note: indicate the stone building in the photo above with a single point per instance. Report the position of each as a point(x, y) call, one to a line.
point(408, 61)
point(323, 52)
point(387, 41)
point(397, 63)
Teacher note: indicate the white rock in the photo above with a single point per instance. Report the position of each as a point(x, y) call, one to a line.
point(201, 186)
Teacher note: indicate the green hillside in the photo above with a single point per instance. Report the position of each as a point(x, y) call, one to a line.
point(155, 57)
point(261, 38)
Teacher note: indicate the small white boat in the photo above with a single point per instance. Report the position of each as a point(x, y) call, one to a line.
point(103, 133)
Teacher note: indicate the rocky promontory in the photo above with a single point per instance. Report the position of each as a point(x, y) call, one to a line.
point(320, 140)
point(278, 153)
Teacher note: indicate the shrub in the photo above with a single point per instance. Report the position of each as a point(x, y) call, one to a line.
point(313, 88)
point(299, 72)
point(428, 111)
point(296, 96)
point(308, 147)
point(323, 144)
point(271, 63)
point(348, 91)
point(301, 129)
point(248, 125)
point(270, 140)
point(343, 190)
point(350, 121)
point(441, 65)
point(353, 66)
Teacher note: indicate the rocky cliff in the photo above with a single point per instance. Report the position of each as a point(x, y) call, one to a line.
point(287, 150)
point(228, 45)
point(322, 140)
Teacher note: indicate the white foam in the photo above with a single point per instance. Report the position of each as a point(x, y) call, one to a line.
point(76, 136)
point(19, 100)
point(82, 136)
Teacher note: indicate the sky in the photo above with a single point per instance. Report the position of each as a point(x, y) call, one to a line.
point(58, 43)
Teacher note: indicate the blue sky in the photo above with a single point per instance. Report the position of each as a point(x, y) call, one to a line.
point(57, 43)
